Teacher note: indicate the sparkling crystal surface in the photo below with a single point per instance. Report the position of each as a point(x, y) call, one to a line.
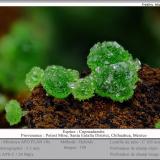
point(83, 88)
point(117, 78)
point(114, 74)
point(106, 53)
point(56, 80)
point(34, 77)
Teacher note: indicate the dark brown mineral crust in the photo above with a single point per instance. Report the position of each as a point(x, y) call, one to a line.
point(142, 111)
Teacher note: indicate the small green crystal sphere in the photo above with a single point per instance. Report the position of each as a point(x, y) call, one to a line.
point(106, 53)
point(117, 81)
point(56, 80)
point(14, 112)
point(34, 77)
point(114, 70)
point(157, 125)
point(83, 88)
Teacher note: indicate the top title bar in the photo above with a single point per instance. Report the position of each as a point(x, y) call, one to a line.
point(143, 3)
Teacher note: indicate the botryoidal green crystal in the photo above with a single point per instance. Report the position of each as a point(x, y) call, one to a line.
point(83, 88)
point(114, 70)
point(56, 80)
point(114, 74)
point(73, 75)
point(117, 81)
point(14, 112)
point(157, 125)
point(106, 53)
point(34, 77)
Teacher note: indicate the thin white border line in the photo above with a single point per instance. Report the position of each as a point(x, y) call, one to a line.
point(21, 4)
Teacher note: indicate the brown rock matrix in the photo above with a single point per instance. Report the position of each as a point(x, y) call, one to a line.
point(142, 111)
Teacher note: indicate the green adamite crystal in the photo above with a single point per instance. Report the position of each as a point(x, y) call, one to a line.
point(14, 112)
point(56, 80)
point(114, 74)
point(83, 88)
point(114, 70)
point(157, 125)
point(106, 53)
point(34, 77)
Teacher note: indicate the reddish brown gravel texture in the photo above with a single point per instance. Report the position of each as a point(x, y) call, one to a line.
point(142, 111)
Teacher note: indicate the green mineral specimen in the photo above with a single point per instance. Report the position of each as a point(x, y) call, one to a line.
point(14, 112)
point(157, 125)
point(102, 54)
point(114, 70)
point(34, 77)
point(56, 80)
point(83, 88)
point(117, 81)
point(73, 74)
point(114, 74)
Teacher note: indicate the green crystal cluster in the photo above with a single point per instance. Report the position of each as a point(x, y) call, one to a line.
point(114, 70)
point(34, 77)
point(56, 80)
point(114, 74)
point(14, 112)
point(83, 88)
point(106, 53)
